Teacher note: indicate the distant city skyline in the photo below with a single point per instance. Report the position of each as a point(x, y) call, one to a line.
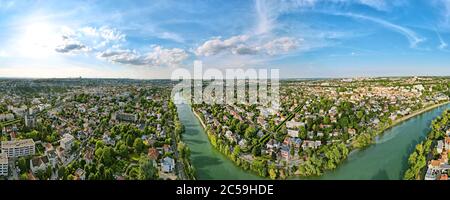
point(150, 39)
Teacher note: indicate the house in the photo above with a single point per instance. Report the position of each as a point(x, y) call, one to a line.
point(61, 153)
point(440, 146)
point(285, 152)
point(52, 157)
point(320, 134)
point(352, 132)
point(294, 124)
point(167, 148)
point(447, 143)
point(80, 174)
point(168, 165)
point(243, 143)
point(108, 140)
point(317, 144)
point(230, 136)
point(153, 153)
point(308, 144)
point(272, 144)
point(292, 133)
point(260, 134)
point(89, 155)
point(297, 142)
point(67, 141)
point(434, 164)
point(39, 164)
point(430, 175)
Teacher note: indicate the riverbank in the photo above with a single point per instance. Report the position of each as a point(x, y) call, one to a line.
point(421, 111)
point(387, 133)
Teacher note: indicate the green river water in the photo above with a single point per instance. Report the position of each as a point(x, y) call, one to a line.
point(386, 159)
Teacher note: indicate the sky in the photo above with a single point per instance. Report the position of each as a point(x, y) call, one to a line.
point(150, 39)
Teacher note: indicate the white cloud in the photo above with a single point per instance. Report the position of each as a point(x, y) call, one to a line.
point(280, 45)
point(245, 45)
point(108, 34)
point(122, 57)
point(71, 46)
point(412, 36)
point(443, 44)
point(157, 57)
point(216, 46)
point(267, 11)
point(166, 57)
point(377, 4)
point(171, 36)
point(88, 39)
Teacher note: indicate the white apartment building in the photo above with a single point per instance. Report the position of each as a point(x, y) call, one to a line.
point(67, 141)
point(18, 148)
point(3, 164)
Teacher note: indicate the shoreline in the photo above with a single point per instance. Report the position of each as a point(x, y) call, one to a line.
point(381, 132)
point(418, 112)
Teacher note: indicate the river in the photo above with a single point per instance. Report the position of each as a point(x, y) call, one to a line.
point(385, 160)
point(209, 163)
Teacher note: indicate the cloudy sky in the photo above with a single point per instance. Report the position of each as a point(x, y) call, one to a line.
point(149, 39)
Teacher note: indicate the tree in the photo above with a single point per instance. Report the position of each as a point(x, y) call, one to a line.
point(360, 114)
point(23, 176)
point(62, 172)
point(146, 170)
point(273, 171)
point(256, 151)
point(302, 133)
point(250, 132)
point(23, 164)
point(107, 156)
point(138, 145)
point(122, 150)
point(237, 150)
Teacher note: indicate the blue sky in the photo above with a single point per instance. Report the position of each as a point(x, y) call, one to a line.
point(150, 39)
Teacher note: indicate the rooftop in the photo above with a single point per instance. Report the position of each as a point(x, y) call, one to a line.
point(17, 143)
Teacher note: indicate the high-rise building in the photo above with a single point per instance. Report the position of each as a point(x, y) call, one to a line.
point(18, 148)
point(30, 121)
point(3, 164)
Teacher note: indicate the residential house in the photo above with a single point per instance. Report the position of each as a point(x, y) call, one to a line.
point(67, 141)
point(285, 152)
point(292, 133)
point(440, 146)
point(80, 174)
point(351, 132)
point(153, 153)
point(168, 165)
point(243, 143)
point(39, 164)
point(294, 124)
